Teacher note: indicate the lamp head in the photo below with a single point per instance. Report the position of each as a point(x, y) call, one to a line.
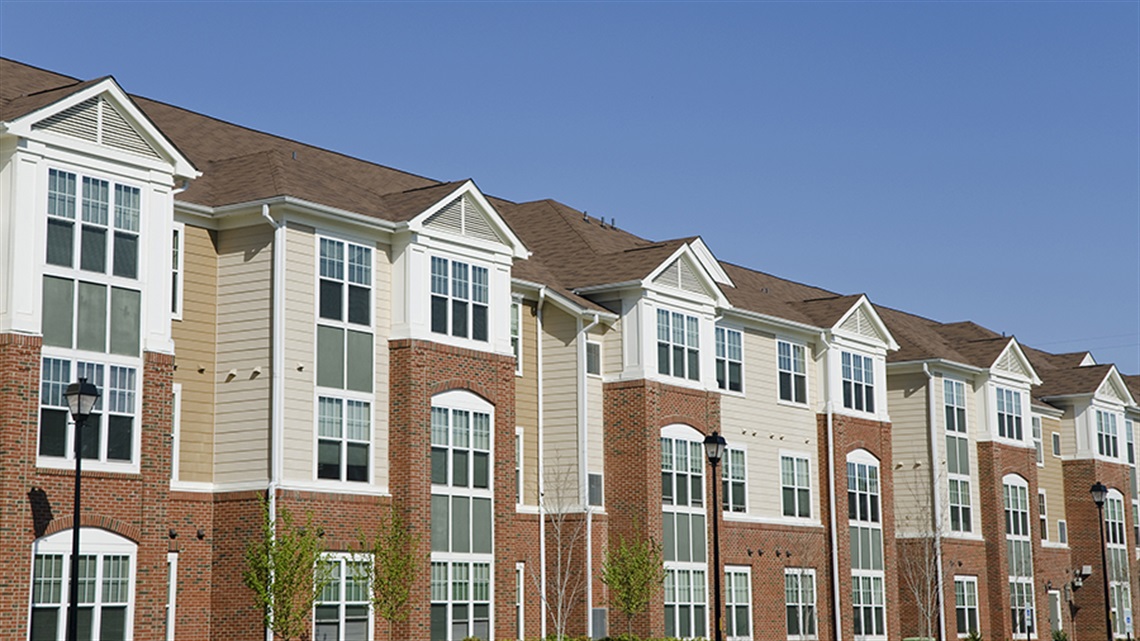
point(1099, 492)
point(81, 398)
point(714, 447)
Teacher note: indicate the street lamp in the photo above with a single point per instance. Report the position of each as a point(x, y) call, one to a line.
point(1099, 492)
point(714, 450)
point(81, 399)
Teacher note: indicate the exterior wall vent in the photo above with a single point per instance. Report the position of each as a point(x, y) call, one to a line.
point(96, 120)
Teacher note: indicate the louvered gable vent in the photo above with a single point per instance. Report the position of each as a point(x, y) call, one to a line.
point(1010, 363)
point(464, 217)
point(860, 323)
point(680, 275)
point(1108, 390)
point(96, 120)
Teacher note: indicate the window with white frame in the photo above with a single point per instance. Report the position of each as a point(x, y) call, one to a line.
point(1056, 444)
point(516, 334)
point(683, 532)
point(791, 366)
point(593, 358)
point(1136, 523)
point(1043, 515)
point(738, 603)
point(110, 433)
point(108, 225)
point(966, 604)
point(795, 486)
point(866, 528)
point(1009, 414)
point(1107, 443)
point(957, 455)
point(459, 295)
point(1116, 551)
point(858, 382)
point(178, 239)
point(461, 516)
point(1035, 423)
point(518, 466)
point(1019, 554)
point(799, 603)
point(342, 611)
point(520, 606)
point(90, 317)
point(1062, 532)
point(106, 582)
point(734, 482)
point(729, 359)
point(171, 594)
point(344, 438)
point(678, 345)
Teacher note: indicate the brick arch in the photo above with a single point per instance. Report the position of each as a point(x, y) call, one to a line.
point(684, 419)
point(125, 530)
point(465, 385)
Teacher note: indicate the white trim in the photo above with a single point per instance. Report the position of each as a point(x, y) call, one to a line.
point(171, 594)
point(178, 268)
point(792, 345)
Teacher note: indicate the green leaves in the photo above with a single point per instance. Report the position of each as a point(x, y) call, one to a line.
point(634, 571)
point(394, 562)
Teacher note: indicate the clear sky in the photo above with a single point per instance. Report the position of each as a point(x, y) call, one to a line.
point(958, 160)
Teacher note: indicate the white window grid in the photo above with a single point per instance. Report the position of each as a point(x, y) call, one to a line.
point(1019, 555)
point(1056, 437)
point(1009, 414)
point(1035, 426)
point(957, 456)
point(460, 293)
point(593, 358)
point(867, 566)
point(462, 483)
point(686, 603)
point(343, 609)
point(678, 345)
point(795, 486)
point(1043, 514)
point(461, 593)
point(961, 512)
point(344, 439)
point(858, 373)
point(799, 604)
point(791, 369)
point(177, 260)
point(734, 481)
point(516, 335)
point(684, 520)
point(518, 466)
point(520, 601)
point(868, 605)
point(738, 603)
point(1107, 441)
point(729, 359)
point(116, 409)
point(966, 604)
point(344, 284)
point(96, 238)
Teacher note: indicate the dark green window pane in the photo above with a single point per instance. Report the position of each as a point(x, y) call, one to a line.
point(684, 544)
point(459, 318)
point(330, 357)
point(459, 468)
point(479, 322)
point(53, 432)
point(83, 623)
point(439, 523)
point(439, 314)
point(93, 249)
point(328, 459)
point(359, 308)
point(481, 526)
point(439, 622)
point(359, 361)
point(357, 469)
point(89, 437)
point(58, 311)
point(438, 466)
point(113, 624)
point(126, 263)
point(663, 359)
point(480, 470)
point(460, 524)
point(331, 303)
point(60, 242)
point(125, 321)
point(804, 502)
point(45, 624)
point(699, 547)
point(119, 438)
point(668, 537)
point(92, 328)
point(738, 497)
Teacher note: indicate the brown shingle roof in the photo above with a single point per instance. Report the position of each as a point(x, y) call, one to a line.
point(27, 103)
point(1074, 380)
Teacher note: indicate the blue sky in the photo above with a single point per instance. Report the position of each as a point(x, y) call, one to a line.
point(957, 160)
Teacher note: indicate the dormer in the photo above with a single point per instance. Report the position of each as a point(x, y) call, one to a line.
point(452, 276)
point(1096, 397)
point(1007, 381)
point(858, 343)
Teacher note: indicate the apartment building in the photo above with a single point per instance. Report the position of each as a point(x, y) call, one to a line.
point(268, 319)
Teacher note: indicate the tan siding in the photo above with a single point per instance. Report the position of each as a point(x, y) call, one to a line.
point(299, 365)
point(764, 426)
point(611, 349)
point(595, 462)
point(560, 397)
point(382, 290)
point(241, 438)
point(1051, 479)
point(195, 345)
point(910, 438)
point(526, 402)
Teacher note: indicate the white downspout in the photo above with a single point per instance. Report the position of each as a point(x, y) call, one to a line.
point(835, 609)
point(936, 517)
point(541, 466)
point(583, 467)
point(277, 380)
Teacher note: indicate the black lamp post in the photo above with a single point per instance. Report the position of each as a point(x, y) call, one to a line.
point(1099, 492)
point(714, 450)
point(81, 399)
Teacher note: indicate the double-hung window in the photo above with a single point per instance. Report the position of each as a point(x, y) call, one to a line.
point(678, 345)
point(1019, 555)
point(737, 603)
point(957, 455)
point(1043, 514)
point(683, 536)
point(105, 581)
point(1009, 414)
point(799, 603)
point(858, 382)
point(108, 225)
point(795, 486)
point(1107, 441)
point(110, 433)
point(178, 239)
point(792, 369)
point(966, 604)
point(516, 334)
point(1116, 551)
point(459, 297)
point(1035, 425)
point(729, 359)
point(734, 481)
point(342, 611)
point(866, 529)
point(344, 362)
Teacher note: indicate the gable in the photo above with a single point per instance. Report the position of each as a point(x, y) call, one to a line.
point(860, 323)
point(681, 275)
point(464, 217)
point(98, 121)
point(1112, 388)
point(1010, 363)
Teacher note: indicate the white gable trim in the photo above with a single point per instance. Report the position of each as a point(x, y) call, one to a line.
point(710, 263)
point(1013, 350)
point(1112, 389)
point(114, 94)
point(864, 306)
point(468, 188)
point(685, 253)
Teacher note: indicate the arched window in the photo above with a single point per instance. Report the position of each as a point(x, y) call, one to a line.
point(106, 585)
point(1116, 544)
point(1019, 554)
point(864, 516)
point(684, 528)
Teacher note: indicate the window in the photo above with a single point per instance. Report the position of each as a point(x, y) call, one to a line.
point(342, 611)
point(1009, 414)
point(729, 360)
point(1019, 555)
point(109, 225)
point(792, 369)
point(684, 532)
point(177, 237)
point(344, 437)
point(1056, 444)
point(858, 382)
point(966, 604)
point(799, 602)
point(685, 598)
point(1055, 618)
point(737, 603)
point(594, 495)
point(518, 466)
point(356, 306)
point(459, 295)
point(1116, 549)
point(171, 593)
point(516, 334)
point(109, 435)
point(678, 345)
point(1043, 515)
point(593, 358)
point(1035, 423)
point(1106, 437)
point(957, 455)
point(733, 482)
point(460, 600)
point(795, 486)
point(1062, 532)
point(1136, 523)
point(865, 524)
point(91, 317)
point(106, 585)
point(520, 609)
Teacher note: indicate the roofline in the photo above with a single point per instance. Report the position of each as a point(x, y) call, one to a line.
point(608, 286)
point(941, 361)
point(564, 302)
point(747, 313)
point(225, 211)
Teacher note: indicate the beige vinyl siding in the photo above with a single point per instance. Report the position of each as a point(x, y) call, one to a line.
point(1051, 478)
point(526, 402)
point(382, 291)
point(764, 426)
point(560, 407)
point(300, 366)
point(595, 432)
point(612, 366)
point(910, 449)
point(195, 343)
point(241, 437)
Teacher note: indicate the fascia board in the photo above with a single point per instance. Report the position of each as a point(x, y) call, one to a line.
point(942, 363)
point(518, 249)
point(564, 303)
point(865, 304)
point(218, 214)
point(1117, 381)
point(711, 264)
point(1034, 379)
point(593, 289)
point(774, 321)
point(1047, 412)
